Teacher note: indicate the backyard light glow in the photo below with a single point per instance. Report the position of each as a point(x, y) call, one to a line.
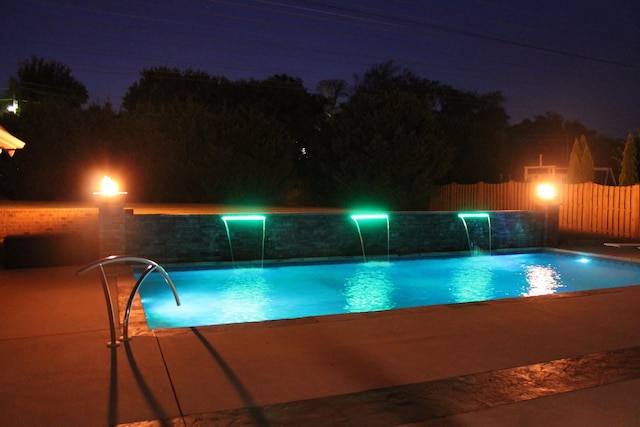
point(109, 189)
point(109, 186)
point(243, 218)
point(357, 217)
point(546, 191)
point(13, 107)
point(473, 215)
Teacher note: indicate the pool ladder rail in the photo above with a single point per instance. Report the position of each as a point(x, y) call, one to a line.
point(124, 259)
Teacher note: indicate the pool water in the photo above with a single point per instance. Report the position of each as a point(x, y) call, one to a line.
point(223, 296)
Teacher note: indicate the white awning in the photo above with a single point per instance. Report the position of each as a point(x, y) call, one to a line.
point(9, 142)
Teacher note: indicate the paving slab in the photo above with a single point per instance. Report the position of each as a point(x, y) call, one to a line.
point(56, 369)
point(49, 301)
point(75, 380)
point(608, 405)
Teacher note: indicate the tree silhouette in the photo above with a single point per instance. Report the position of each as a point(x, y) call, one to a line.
point(185, 136)
point(581, 167)
point(38, 80)
point(629, 173)
point(385, 146)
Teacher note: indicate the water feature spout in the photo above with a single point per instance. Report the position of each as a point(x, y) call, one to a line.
point(229, 218)
point(359, 217)
point(463, 217)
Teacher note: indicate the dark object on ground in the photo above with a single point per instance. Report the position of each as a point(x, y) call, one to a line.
point(48, 250)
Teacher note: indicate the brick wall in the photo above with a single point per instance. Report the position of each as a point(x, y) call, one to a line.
point(36, 220)
point(48, 236)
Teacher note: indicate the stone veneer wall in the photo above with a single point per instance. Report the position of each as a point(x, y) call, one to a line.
point(203, 238)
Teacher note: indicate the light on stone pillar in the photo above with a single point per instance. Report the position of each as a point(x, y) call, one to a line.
point(111, 218)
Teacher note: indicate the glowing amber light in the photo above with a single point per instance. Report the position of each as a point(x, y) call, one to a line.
point(546, 191)
point(243, 218)
point(109, 188)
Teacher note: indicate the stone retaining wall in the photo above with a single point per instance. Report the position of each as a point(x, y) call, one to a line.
point(203, 238)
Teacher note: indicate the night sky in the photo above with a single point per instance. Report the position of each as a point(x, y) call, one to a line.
point(579, 58)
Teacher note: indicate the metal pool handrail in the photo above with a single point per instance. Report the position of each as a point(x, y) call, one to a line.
point(113, 259)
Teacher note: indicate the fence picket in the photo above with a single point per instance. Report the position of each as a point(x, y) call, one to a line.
point(586, 207)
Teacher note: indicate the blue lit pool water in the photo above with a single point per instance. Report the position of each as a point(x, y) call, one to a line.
point(224, 296)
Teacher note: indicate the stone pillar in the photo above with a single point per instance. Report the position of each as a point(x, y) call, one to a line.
point(552, 225)
point(111, 229)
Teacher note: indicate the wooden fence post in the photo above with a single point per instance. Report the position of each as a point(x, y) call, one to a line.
point(634, 211)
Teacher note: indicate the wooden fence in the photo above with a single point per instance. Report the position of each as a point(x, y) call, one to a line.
point(588, 207)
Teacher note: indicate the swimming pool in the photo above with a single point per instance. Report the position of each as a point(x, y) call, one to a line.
point(224, 296)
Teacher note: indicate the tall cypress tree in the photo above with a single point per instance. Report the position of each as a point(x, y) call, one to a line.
point(588, 165)
point(581, 166)
point(629, 172)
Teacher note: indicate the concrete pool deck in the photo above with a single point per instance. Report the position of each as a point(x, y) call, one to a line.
point(571, 359)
